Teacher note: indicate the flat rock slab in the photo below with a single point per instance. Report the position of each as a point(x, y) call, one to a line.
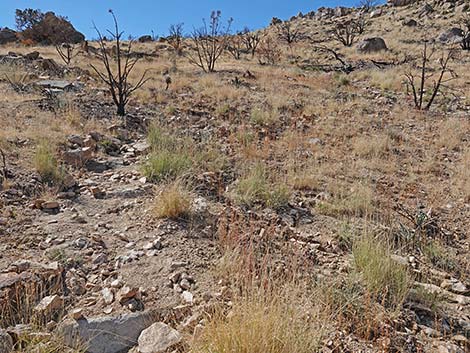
point(106, 334)
point(56, 84)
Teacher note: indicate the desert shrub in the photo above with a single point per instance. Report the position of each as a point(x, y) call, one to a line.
point(257, 187)
point(372, 146)
point(47, 165)
point(174, 202)
point(386, 280)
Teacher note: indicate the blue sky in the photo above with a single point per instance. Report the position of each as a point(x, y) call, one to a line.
point(139, 17)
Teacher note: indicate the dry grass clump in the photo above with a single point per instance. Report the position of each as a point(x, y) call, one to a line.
point(173, 202)
point(257, 187)
point(44, 344)
point(272, 311)
point(358, 201)
point(385, 279)
point(451, 132)
point(261, 117)
point(47, 165)
point(372, 147)
point(262, 323)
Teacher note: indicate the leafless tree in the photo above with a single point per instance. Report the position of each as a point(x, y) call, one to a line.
point(439, 75)
point(251, 40)
point(66, 52)
point(288, 33)
point(176, 37)
point(269, 51)
point(348, 31)
point(116, 75)
point(209, 42)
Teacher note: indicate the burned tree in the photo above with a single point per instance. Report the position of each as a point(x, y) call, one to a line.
point(235, 46)
point(251, 40)
point(176, 37)
point(287, 33)
point(209, 42)
point(66, 52)
point(348, 31)
point(439, 75)
point(116, 74)
point(269, 52)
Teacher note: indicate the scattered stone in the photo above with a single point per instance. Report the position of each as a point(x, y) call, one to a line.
point(97, 192)
point(50, 205)
point(158, 338)
point(455, 286)
point(108, 296)
point(77, 314)
point(126, 293)
point(187, 297)
point(32, 56)
point(78, 157)
point(410, 23)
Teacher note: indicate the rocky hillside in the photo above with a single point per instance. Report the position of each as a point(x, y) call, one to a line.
point(308, 195)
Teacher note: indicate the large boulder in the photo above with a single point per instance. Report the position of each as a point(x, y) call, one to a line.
point(371, 45)
point(106, 334)
point(452, 35)
point(145, 39)
point(158, 338)
point(7, 36)
point(53, 29)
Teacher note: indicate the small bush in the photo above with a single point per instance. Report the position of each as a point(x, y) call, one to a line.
point(385, 279)
point(174, 202)
point(46, 164)
point(372, 147)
